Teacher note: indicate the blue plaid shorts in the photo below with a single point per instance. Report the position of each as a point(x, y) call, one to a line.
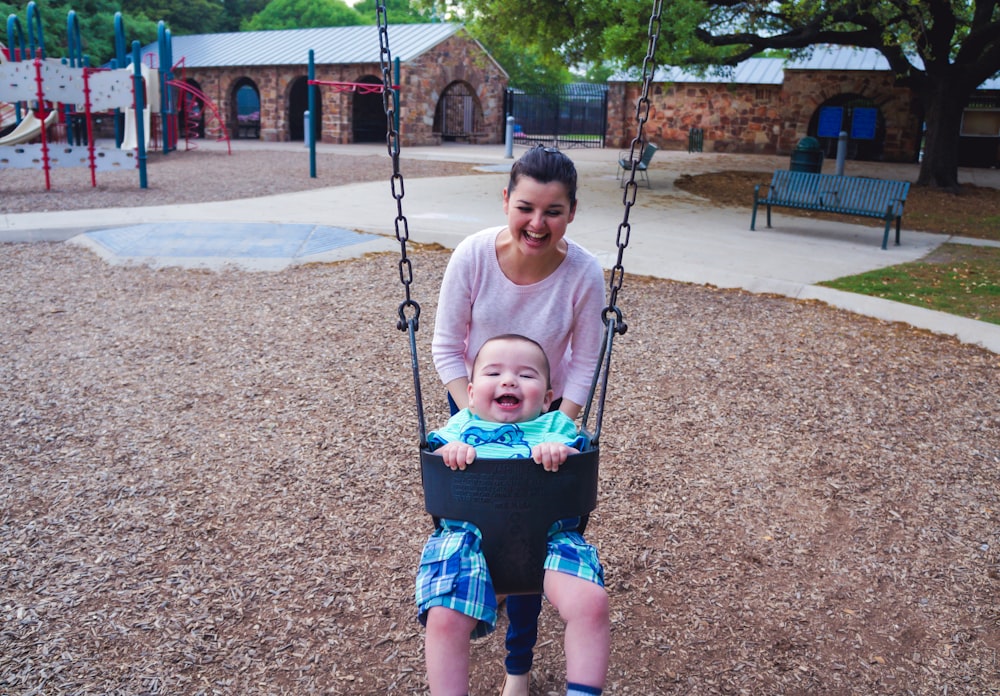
point(453, 570)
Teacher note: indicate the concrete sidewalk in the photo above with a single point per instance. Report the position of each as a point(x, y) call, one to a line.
point(673, 235)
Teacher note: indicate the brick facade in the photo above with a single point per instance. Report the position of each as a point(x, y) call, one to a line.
point(458, 61)
point(761, 118)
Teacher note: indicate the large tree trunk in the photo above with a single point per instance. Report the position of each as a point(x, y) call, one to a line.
point(944, 101)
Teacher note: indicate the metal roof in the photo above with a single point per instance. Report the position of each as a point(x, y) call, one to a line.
point(331, 45)
point(753, 71)
point(771, 71)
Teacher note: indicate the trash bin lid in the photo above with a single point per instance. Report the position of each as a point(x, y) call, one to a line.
point(808, 143)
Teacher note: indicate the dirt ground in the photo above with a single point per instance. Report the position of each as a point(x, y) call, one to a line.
point(209, 482)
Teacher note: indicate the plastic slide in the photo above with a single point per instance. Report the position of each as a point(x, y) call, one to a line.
point(129, 138)
point(28, 129)
point(129, 141)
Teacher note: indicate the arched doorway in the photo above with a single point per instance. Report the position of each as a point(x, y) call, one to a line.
point(858, 116)
point(244, 106)
point(458, 114)
point(368, 114)
point(298, 105)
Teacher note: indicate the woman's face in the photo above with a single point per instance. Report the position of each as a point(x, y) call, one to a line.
point(537, 214)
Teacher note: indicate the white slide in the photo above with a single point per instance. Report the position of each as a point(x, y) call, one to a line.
point(151, 78)
point(130, 137)
point(28, 129)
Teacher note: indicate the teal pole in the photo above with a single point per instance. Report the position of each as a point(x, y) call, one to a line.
point(395, 94)
point(119, 62)
point(311, 137)
point(140, 104)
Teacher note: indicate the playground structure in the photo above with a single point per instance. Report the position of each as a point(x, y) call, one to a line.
point(44, 100)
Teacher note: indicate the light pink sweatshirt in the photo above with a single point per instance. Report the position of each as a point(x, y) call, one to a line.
point(562, 313)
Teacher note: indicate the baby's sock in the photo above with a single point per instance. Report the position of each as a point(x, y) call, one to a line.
point(582, 690)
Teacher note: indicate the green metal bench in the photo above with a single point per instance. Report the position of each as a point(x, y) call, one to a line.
point(829, 193)
point(625, 164)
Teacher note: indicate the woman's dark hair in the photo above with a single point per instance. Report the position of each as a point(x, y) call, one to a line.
point(544, 165)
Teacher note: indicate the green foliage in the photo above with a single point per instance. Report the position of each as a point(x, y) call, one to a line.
point(299, 14)
point(187, 17)
point(397, 11)
point(96, 22)
point(236, 11)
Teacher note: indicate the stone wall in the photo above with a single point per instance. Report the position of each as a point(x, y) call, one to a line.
point(759, 118)
point(423, 80)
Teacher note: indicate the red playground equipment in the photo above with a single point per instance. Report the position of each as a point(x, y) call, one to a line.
point(46, 100)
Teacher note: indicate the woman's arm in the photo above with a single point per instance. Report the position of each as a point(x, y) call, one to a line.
point(459, 390)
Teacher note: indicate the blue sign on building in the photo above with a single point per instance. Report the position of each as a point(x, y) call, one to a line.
point(831, 118)
point(863, 122)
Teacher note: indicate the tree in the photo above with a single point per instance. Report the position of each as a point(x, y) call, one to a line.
point(97, 26)
point(181, 17)
point(299, 14)
point(397, 11)
point(235, 12)
point(943, 50)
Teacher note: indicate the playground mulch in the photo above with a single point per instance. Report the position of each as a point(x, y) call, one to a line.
point(209, 484)
point(200, 176)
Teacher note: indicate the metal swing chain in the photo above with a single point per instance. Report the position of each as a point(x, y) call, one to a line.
point(390, 102)
point(635, 156)
point(614, 322)
point(409, 310)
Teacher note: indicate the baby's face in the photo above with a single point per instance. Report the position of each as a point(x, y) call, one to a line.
point(509, 382)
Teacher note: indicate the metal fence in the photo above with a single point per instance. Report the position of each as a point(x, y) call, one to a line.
point(567, 116)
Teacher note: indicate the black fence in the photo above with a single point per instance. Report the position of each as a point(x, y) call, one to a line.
point(567, 116)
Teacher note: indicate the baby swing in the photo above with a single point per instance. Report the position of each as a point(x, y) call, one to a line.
point(513, 502)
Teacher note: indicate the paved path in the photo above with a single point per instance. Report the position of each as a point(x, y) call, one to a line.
point(673, 234)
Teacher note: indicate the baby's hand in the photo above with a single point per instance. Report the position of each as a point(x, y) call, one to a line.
point(457, 455)
point(552, 454)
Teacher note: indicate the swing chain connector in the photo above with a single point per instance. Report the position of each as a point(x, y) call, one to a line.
point(619, 326)
point(414, 317)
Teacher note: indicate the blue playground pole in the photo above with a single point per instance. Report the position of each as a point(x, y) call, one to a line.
point(74, 52)
point(395, 94)
point(120, 62)
point(17, 51)
point(312, 111)
point(166, 74)
point(140, 103)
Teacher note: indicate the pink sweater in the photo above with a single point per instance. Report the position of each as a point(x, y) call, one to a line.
point(562, 313)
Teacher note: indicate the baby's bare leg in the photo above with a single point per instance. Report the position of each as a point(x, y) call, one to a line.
point(446, 651)
point(583, 605)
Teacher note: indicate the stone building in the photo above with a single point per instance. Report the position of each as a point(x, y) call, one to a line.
point(257, 82)
point(767, 105)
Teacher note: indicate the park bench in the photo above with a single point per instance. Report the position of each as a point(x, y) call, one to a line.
point(830, 193)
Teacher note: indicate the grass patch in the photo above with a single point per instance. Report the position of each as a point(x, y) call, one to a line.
point(955, 278)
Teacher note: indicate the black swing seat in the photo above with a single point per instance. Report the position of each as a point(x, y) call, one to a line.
point(513, 502)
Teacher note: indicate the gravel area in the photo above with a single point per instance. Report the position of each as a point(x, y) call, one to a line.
point(202, 175)
point(209, 481)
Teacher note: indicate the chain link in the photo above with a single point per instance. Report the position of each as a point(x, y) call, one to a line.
point(390, 102)
point(635, 155)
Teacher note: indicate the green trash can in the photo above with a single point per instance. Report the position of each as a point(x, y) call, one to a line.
point(807, 156)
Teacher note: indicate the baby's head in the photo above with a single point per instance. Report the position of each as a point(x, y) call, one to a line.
point(510, 380)
point(545, 165)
